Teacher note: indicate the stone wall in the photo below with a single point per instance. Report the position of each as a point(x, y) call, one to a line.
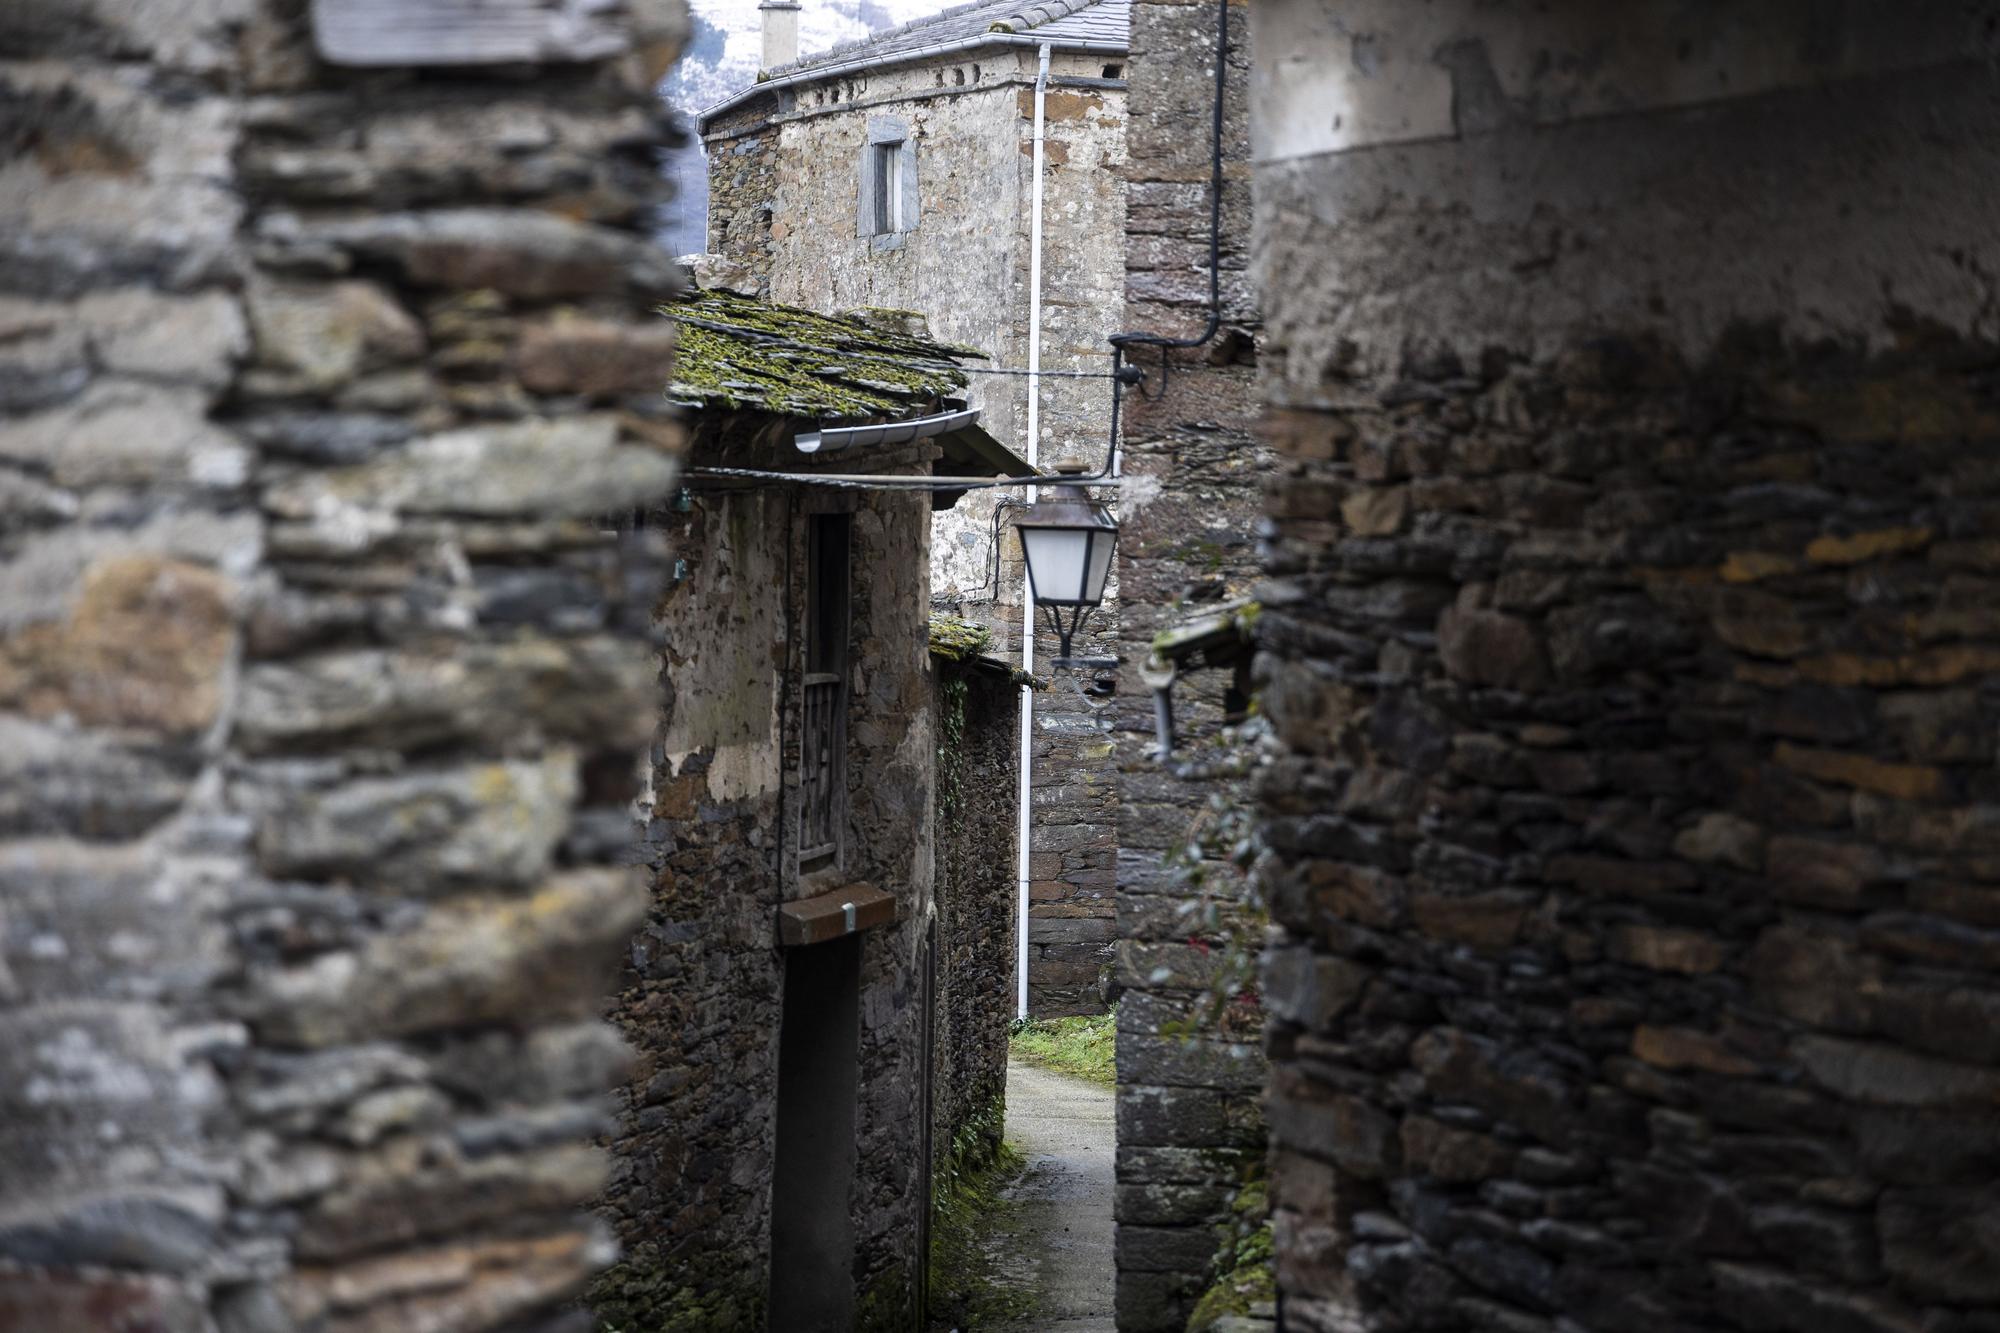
point(704, 991)
point(742, 185)
point(979, 748)
point(322, 690)
point(788, 171)
point(1634, 612)
point(1188, 1123)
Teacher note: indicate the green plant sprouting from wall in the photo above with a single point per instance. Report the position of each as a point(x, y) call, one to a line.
point(967, 1190)
point(1243, 1266)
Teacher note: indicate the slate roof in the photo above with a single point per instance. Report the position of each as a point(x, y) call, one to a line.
point(1054, 21)
point(732, 353)
point(1091, 24)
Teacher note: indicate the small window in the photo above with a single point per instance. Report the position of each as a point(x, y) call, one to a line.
point(888, 182)
point(823, 735)
point(1114, 71)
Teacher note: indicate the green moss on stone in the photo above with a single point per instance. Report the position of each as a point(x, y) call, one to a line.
point(736, 352)
point(967, 1279)
point(643, 1294)
point(887, 1305)
point(1245, 1281)
point(955, 640)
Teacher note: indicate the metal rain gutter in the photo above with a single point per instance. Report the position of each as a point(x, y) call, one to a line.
point(840, 438)
point(912, 56)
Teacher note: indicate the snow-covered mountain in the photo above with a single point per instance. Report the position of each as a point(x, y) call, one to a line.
point(722, 57)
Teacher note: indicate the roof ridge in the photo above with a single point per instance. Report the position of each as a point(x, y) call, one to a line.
point(1043, 11)
point(1011, 17)
point(821, 57)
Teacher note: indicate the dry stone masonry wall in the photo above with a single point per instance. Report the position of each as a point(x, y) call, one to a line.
point(1189, 1129)
point(1634, 616)
point(322, 689)
point(978, 714)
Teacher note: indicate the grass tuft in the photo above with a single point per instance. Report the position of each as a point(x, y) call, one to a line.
point(1085, 1046)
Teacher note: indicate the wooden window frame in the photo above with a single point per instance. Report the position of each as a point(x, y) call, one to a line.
point(823, 690)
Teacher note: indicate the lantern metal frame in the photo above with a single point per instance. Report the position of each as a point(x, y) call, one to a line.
point(1069, 508)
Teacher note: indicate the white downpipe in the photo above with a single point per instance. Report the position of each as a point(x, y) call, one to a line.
point(1027, 592)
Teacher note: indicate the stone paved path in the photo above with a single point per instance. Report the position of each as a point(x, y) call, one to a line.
point(1057, 1237)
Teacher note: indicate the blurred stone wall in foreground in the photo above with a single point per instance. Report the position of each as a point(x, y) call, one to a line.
point(323, 691)
point(1632, 631)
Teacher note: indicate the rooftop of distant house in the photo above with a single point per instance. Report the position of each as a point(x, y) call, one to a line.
point(1097, 26)
point(738, 353)
point(741, 353)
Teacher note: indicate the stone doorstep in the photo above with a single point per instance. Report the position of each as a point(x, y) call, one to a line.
point(832, 915)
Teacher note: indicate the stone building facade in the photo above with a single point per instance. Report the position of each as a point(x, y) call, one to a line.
point(1189, 1131)
point(322, 691)
point(792, 180)
point(806, 991)
point(1633, 619)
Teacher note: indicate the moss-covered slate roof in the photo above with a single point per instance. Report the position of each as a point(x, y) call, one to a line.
point(955, 640)
point(732, 354)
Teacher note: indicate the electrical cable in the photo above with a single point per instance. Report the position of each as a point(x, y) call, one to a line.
point(992, 580)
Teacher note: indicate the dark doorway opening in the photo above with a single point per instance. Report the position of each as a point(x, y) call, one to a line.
point(927, 1107)
point(812, 1232)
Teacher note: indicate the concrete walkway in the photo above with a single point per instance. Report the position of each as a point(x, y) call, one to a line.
point(1056, 1240)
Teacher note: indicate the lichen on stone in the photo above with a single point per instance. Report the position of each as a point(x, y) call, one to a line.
point(955, 640)
point(740, 352)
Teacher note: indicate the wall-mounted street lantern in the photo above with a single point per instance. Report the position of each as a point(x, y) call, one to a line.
point(1067, 539)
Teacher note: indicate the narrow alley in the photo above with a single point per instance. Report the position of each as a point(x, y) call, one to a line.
point(1054, 1241)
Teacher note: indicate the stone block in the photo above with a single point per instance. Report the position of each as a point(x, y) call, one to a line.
point(520, 252)
point(1454, 1156)
point(1170, 1205)
point(514, 694)
point(1489, 648)
point(1667, 949)
point(144, 646)
point(1944, 1244)
point(312, 337)
point(428, 833)
point(1885, 1075)
point(1156, 1249)
point(1178, 1062)
point(1070, 930)
point(418, 1188)
point(572, 467)
point(1309, 988)
point(595, 358)
point(41, 1299)
point(1769, 1300)
point(470, 962)
point(58, 780)
point(83, 1061)
point(1358, 1137)
point(128, 433)
point(123, 921)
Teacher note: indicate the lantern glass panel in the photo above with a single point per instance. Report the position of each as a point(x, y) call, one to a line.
point(1101, 545)
point(1056, 561)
